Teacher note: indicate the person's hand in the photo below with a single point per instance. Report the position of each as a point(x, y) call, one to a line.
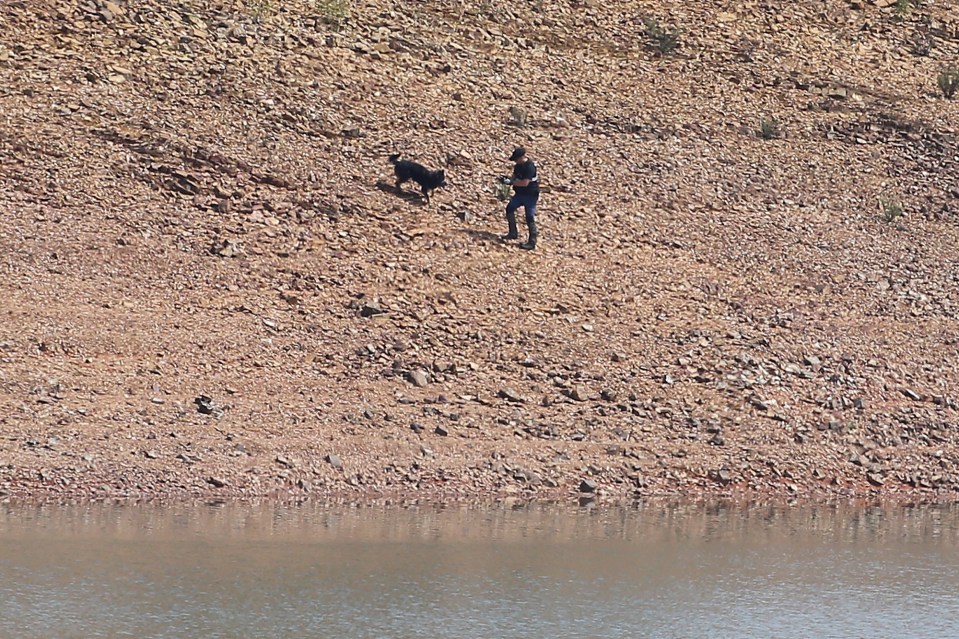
point(505, 179)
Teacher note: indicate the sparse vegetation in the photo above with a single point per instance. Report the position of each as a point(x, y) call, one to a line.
point(948, 81)
point(517, 117)
point(891, 209)
point(483, 9)
point(502, 190)
point(265, 220)
point(664, 40)
point(920, 43)
point(769, 129)
point(260, 8)
point(333, 12)
point(902, 7)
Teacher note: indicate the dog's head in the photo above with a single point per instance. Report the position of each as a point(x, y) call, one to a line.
point(437, 179)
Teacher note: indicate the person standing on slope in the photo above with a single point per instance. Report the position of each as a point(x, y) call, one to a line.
point(525, 182)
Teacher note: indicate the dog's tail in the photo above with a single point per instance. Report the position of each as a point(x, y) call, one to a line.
point(394, 158)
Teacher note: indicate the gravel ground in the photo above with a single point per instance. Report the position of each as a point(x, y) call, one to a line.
point(211, 288)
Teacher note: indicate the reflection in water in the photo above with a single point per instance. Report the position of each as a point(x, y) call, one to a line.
point(458, 572)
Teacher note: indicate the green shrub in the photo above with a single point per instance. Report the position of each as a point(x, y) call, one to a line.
point(665, 41)
point(920, 43)
point(769, 129)
point(260, 8)
point(517, 117)
point(333, 12)
point(948, 81)
point(891, 209)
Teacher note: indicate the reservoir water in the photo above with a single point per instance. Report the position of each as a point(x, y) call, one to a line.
point(531, 571)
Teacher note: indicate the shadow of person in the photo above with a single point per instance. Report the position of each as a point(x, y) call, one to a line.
point(485, 236)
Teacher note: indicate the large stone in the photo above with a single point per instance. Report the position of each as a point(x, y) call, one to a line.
point(511, 395)
point(578, 393)
point(370, 309)
point(204, 405)
point(418, 378)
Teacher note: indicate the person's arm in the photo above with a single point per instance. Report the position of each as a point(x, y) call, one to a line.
point(519, 179)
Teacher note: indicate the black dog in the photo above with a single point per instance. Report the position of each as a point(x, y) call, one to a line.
point(407, 170)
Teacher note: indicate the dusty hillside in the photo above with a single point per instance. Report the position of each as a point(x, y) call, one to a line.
point(209, 287)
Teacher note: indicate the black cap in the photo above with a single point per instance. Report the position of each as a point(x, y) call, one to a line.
point(518, 152)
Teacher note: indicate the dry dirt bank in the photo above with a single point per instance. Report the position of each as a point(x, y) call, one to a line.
point(208, 290)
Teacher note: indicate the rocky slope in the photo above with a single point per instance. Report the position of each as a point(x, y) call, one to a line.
point(210, 287)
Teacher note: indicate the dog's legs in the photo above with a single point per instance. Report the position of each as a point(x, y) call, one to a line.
point(426, 194)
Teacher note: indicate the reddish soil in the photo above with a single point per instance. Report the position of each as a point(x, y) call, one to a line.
point(210, 287)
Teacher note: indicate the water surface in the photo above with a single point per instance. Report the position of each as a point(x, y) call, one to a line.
point(457, 572)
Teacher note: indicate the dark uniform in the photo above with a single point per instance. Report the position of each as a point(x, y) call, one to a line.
point(523, 196)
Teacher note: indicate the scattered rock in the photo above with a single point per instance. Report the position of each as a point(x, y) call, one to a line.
point(370, 309)
point(911, 394)
point(418, 378)
point(109, 11)
point(578, 393)
point(225, 248)
point(510, 395)
point(204, 405)
point(721, 476)
point(287, 265)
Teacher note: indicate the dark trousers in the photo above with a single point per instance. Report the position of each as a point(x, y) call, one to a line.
point(528, 202)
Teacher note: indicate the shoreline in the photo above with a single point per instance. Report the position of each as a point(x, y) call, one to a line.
point(25, 494)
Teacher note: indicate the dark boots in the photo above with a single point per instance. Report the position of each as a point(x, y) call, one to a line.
point(533, 233)
point(513, 232)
